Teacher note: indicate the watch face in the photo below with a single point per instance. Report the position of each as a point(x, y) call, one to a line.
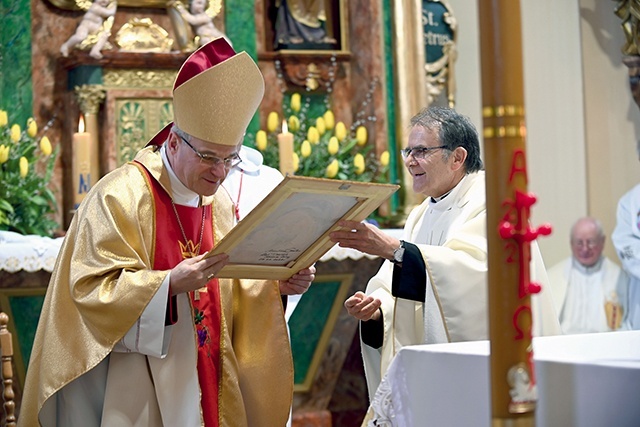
point(398, 254)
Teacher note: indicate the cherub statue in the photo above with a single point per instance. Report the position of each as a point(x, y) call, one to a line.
point(200, 17)
point(94, 29)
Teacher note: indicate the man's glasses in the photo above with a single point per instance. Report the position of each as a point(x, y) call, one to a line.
point(589, 243)
point(419, 152)
point(212, 161)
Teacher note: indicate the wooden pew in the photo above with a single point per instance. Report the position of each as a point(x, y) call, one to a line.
point(6, 349)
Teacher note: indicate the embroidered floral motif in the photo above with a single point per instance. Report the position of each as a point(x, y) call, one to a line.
point(204, 338)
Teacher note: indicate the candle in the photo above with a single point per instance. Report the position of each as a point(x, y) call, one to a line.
point(81, 164)
point(285, 150)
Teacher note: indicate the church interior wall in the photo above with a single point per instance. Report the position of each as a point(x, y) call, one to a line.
point(582, 121)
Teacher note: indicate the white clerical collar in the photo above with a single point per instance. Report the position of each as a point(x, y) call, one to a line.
point(434, 201)
point(181, 195)
point(587, 270)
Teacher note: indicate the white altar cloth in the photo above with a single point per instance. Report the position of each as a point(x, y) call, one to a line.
point(590, 380)
point(34, 253)
point(29, 253)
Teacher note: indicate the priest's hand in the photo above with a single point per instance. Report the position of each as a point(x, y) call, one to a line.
point(194, 273)
point(298, 283)
point(363, 307)
point(366, 238)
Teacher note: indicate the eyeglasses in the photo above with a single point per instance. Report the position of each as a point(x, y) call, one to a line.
point(212, 161)
point(589, 243)
point(419, 152)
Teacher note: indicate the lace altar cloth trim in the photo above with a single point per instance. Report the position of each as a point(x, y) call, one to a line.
point(33, 253)
point(28, 253)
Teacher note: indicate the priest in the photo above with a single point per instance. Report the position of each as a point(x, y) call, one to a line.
point(136, 329)
point(589, 290)
point(432, 288)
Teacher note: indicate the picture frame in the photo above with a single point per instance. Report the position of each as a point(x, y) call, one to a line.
point(289, 230)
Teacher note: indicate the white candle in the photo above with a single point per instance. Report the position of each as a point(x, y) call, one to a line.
point(81, 164)
point(285, 150)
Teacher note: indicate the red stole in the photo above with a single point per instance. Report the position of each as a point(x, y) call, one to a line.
point(205, 303)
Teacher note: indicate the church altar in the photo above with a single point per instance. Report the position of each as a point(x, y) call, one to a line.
point(29, 253)
point(589, 380)
point(329, 374)
point(34, 253)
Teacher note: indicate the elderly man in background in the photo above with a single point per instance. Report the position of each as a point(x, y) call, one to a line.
point(589, 290)
point(433, 287)
point(136, 328)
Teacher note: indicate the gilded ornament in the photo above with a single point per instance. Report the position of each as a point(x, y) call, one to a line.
point(313, 74)
point(143, 35)
point(90, 97)
point(138, 78)
point(629, 12)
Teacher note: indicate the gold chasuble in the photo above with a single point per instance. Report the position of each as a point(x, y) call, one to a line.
point(130, 238)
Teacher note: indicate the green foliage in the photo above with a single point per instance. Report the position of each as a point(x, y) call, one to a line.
point(302, 115)
point(26, 167)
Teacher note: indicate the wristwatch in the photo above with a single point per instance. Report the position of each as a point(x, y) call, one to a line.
point(398, 253)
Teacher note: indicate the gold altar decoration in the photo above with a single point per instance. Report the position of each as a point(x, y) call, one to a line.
point(138, 78)
point(75, 4)
point(629, 12)
point(143, 35)
point(90, 97)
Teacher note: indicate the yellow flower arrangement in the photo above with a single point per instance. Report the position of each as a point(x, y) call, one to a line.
point(322, 146)
point(26, 166)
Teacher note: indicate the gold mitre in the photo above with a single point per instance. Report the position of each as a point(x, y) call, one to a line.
point(216, 93)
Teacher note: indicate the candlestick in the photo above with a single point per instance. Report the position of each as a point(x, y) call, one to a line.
point(81, 164)
point(285, 150)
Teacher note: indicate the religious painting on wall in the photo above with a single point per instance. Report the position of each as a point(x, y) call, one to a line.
point(307, 24)
point(440, 33)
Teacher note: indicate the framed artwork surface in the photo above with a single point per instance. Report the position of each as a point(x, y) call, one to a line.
point(289, 230)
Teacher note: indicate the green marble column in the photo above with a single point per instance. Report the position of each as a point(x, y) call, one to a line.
point(16, 88)
point(240, 27)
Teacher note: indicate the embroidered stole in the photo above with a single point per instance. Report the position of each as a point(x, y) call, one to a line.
point(205, 303)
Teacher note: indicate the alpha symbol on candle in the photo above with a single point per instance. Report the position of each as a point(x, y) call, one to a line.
point(84, 184)
point(81, 149)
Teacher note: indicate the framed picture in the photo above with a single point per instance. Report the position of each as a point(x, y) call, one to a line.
point(289, 230)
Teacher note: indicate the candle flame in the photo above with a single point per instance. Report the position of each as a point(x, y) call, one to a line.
point(285, 129)
point(81, 124)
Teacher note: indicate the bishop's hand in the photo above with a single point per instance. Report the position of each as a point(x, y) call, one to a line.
point(194, 273)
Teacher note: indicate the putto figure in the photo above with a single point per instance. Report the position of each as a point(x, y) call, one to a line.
point(200, 17)
point(94, 29)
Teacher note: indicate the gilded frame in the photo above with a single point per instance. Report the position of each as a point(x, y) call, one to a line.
point(289, 230)
point(152, 4)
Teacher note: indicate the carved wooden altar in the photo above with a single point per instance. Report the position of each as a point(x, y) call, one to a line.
point(125, 98)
